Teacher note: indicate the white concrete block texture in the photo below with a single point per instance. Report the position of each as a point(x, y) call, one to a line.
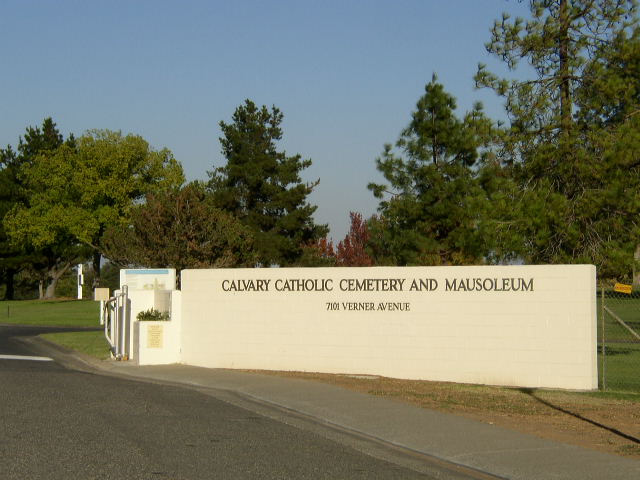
point(156, 343)
point(528, 326)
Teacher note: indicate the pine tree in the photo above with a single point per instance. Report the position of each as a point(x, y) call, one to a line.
point(609, 103)
point(546, 153)
point(557, 43)
point(262, 187)
point(431, 207)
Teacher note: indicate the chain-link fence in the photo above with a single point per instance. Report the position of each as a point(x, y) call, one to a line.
point(619, 338)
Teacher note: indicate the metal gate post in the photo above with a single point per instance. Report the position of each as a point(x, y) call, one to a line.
point(122, 324)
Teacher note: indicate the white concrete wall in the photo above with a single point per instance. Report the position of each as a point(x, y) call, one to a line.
point(542, 337)
point(156, 343)
point(138, 348)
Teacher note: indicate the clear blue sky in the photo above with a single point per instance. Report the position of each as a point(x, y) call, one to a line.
point(345, 73)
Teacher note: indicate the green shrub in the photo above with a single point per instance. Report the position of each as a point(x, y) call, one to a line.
point(152, 315)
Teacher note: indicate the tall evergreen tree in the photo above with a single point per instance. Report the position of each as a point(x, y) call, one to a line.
point(262, 187)
point(609, 104)
point(545, 151)
point(610, 91)
point(557, 43)
point(431, 207)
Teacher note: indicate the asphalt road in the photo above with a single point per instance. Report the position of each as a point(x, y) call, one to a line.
point(57, 422)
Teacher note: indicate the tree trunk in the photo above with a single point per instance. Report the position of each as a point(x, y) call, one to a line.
point(53, 275)
point(9, 292)
point(564, 74)
point(96, 268)
point(50, 291)
point(636, 263)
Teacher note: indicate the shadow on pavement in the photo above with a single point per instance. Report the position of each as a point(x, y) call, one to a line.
point(615, 431)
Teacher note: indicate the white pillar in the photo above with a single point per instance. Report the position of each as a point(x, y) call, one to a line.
point(80, 281)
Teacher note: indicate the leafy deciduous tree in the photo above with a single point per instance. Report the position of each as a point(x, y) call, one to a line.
point(351, 251)
point(78, 191)
point(180, 228)
point(12, 257)
point(49, 260)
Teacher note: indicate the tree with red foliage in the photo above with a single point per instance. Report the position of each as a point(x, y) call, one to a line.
point(325, 248)
point(351, 251)
point(319, 253)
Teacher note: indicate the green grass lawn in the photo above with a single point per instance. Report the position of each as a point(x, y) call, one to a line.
point(64, 313)
point(622, 348)
point(89, 343)
point(61, 313)
point(622, 366)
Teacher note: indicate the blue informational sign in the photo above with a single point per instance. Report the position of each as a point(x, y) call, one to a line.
point(148, 278)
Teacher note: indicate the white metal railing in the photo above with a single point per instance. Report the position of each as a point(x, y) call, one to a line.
point(115, 314)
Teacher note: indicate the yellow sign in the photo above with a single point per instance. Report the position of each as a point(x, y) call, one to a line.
point(154, 336)
point(622, 288)
point(101, 294)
